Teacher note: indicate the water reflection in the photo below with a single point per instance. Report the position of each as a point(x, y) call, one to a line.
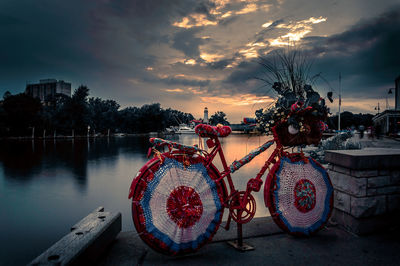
point(24, 160)
point(47, 186)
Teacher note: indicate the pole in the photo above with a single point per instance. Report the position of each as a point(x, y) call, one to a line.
point(340, 97)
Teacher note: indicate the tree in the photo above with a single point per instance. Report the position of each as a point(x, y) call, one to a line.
point(75, 111)
point(219, 118)
point(103, 114)
point(21, 112)
point(349, 119)
point(6, 95)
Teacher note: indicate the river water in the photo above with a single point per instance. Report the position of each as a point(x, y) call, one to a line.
point(46, 186)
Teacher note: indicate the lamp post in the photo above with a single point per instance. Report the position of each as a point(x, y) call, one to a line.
point(387, 101)
point(377, 108)
point(340, 98)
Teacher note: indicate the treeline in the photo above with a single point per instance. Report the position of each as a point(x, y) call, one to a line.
point(349, 120)
point(22, 114)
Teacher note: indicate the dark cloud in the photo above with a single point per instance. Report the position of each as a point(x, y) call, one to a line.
point(85, 41)
point(367, 55)
point(108, 45)
point(6, 20)
point(244, 71)
point(181, 81)
point(187, 42)
point(221, 64)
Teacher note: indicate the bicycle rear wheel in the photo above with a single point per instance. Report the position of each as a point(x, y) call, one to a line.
point(177, 208)
point(299, 195)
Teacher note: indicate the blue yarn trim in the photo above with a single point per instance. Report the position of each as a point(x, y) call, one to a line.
point(325, 214)
point(145, 202)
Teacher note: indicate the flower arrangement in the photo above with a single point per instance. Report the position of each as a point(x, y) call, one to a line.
point(296, 118)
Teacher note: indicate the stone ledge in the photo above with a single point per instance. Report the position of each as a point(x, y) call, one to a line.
point(368, 206)
point(377, 158)
point(342, 201)
point(379, 181)
point(349, 184)
point(364, 226)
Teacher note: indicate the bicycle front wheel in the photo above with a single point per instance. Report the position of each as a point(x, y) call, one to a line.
point(299, 195)
point(177, 203)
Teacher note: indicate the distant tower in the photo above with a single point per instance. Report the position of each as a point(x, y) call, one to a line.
point(205, 119)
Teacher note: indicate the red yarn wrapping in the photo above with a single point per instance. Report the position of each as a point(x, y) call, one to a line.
point(207, 131)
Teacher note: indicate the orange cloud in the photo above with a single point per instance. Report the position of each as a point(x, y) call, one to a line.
point(249, 53)
point(247, 9)
point(174, 90)
point(194, 20)
point(237, 100)
point(209, 58)
point(190, 62)
point(199, 20)
point(296, 32)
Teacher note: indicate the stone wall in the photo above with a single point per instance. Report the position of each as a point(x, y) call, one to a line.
point(367, 188)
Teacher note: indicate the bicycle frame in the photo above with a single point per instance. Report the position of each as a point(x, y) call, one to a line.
point(241, 204)
point(253, 184)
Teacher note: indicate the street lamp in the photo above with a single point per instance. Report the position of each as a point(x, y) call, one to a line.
point(387, 101)
point(377, 108)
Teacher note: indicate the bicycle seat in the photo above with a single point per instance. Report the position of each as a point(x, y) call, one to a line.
point(207, 131)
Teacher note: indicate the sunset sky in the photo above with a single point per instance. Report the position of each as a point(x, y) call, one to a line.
point(190, 54)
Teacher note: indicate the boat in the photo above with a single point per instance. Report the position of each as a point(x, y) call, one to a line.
point(185, 129)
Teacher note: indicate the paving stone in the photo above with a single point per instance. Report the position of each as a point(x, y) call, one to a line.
point(388, 190)
point(379, 181)
point(368, 206)
point(341, 169)
point(364, 173)
point(342, 201)
point(395, 177)
point(372, 192)
point(351, 185)
point(383, 172)
point(393, 202)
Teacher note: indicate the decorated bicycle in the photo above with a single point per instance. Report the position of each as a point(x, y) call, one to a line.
point(179, 196)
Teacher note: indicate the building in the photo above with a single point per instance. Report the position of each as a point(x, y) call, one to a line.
point(389, 120)
point(205, 119)
point(47, 89)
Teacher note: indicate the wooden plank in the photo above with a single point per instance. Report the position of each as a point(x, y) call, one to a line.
point(86, 241)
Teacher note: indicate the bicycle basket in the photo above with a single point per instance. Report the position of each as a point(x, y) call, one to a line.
point(299, 195)
point(177, 207)
point(312, 133)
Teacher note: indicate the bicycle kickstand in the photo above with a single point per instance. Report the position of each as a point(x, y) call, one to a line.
point(238, 243)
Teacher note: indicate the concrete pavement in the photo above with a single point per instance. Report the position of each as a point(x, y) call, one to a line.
point(331, 246)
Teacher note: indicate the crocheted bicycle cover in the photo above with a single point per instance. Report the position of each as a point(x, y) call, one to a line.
point(207, 131)
point(177, 208)
point(299, 195)
point(246, 159)
point(176, 145)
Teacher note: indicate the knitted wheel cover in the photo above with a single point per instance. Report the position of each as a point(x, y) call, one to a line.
point(299, 195)
point(176, 208)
